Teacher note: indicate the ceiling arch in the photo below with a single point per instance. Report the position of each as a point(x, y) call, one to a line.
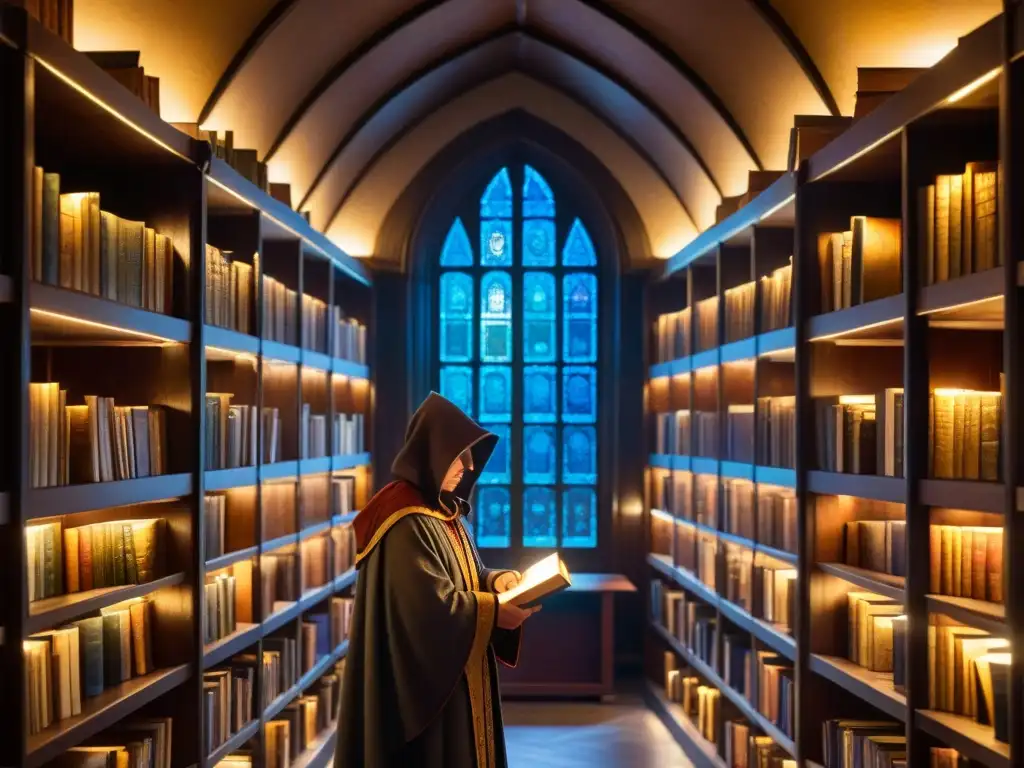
point(356, 228)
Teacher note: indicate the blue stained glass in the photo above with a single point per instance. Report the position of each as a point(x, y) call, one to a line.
point(496, 393)
point(496, 318)
point(457, 251)
point(539, 526)
point(456, 317)
point(538, 317)
point(539, 455)
point(496, 243)
point(499, 467)
point(538, 199)
point(496, 201)
point(579, 248)
point(579, 517)
point(579, 456)
point(579, 394)
point(457, 386)
point(493, 512)
point(579, 318)
point(539, 398)
point(538, 243)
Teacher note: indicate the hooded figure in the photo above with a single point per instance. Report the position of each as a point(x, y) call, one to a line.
point(420, 686)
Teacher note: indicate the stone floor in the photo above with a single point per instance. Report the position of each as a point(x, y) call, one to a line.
point(583, 735)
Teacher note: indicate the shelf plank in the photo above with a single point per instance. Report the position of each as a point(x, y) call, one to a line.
point(235, 741)
point(223, 479)
point(70, 499)
point(63, 316)
point(676, 367)
point(313, 596)
point(876, 487)
point(972, 301)
point(280, 541)
point(780, 476)
point(660, 461)
point(867, 318)
point(315, 529)
point(52, 611)
point(287, 612)
point(706, 359)
point(243, 636)
point(353, 370)
point(964, 494)
point(346, 518)
point(100, 712)
point(777, 554)
point(305, 681)
point(975, 613)
point(775, 639)
point(697, 748)
point(973, 741)
point(782, 340)
point(279, 470)
point(345, 580)
point(704, 466)
point(318, 466)
point(737, 470)
point(281, 352)
point(873, 687)
point(230, 558)
point(880, 583)
point(350, 461)
point(320, 751)
point(231, 340)
point(318, 360)
point(734, 351)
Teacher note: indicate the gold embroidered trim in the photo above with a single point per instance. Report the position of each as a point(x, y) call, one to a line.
point(478, 680)
point(390, 522)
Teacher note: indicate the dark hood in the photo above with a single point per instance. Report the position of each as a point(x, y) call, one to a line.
point(437, 433)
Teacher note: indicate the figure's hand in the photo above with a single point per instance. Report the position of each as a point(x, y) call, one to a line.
point(506, 581)
point(512, 616)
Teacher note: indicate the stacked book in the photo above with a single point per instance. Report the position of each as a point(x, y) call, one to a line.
point(776, 693)
point(737, 663)
point(229, 291)
point(280, 307)
point(219, 616)
point(966, 561)
point(222, 144)
point(63, 666)
point(270, 433)
point(739, 566)
point(349, 434)
point(315, 562)
point(861, 434)
point(706, 428)
point(672, 332)
point(871, 630)
point(776, 432)
point(776, 289)
point(739, 437)
point(125, 67)
point(230, 433)
point(877, 545)
point(957, 220)
point(863, 743)
point(141, 742)
point(76, 245)
point(672, 433)
point(739, 311)
point(228, 700)
point(58, 16)
point(707, 324)
point(91, 443)
point(312, 434)
point(773, 594)
point(278, 581)
point(341, 619)
point(280, 666)
point(738, 509)
point(776, 518)
point(314, 323)
point(349, 338)
point(706, 500)
point(964, 430)
point(343, 492)
point(861, 264)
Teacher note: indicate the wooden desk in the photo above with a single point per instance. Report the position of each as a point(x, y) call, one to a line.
point(569, 646)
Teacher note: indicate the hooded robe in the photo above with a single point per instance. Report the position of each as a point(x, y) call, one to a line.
point(421, 686)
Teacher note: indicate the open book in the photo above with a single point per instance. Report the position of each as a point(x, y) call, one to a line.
point(540, 580)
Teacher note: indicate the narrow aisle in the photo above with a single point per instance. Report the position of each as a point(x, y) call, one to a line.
point(588, 735)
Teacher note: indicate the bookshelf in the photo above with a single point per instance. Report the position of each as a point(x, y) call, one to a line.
point(289, 488)
point(929, 337)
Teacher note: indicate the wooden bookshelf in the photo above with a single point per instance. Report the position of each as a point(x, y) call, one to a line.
point(698, 749)
point(145, 169)
point(961, 333)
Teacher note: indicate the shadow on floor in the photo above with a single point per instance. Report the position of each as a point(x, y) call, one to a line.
point(624, 734)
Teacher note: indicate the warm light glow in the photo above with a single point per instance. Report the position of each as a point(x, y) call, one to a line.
point(356, 246)
point(673, 243)
point(859, 329)
point(662, 515)
point(861, 154)
point(240, 356)
point(741, 409)
point(707, 370)
point(857, 399)
point(789, 574)
point(747, 362)
point(950, 392)
point(742, 287)
point(953, 307)
point(970, 88)
point(783, 355)
point(103, 326)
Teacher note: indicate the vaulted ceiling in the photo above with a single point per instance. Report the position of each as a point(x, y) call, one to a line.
point(349, 99)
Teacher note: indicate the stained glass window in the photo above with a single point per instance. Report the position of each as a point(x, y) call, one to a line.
point(537, 392)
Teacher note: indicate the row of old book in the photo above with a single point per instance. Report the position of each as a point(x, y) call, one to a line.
point(280, 667)
point(301, 721)
point(861, 264)
point(315, 313)
point(66, 665)
point(230, 433)
point(707, 324)
point(705, 434)
point(228, 694)
point(855, 743)
point(966, 561)
point(957, 220)
point(323, 632)
point(772, 524)
point(127, 69)
point(349, 337)
point(58, 16)
point(230, 289)
point(346, 439)
point(765, 590)
point(763, 677)
point(139, 742)
point(68, 560)
point(74, 244)
point(280, 304)
point(876, 545)
point(672, 336)
point(744, 748)
point(739, 433)
point(222, 145)
point(91, 443)
point(687, 619)
point(739, 311)
point(861, 434)
point(776, 303)
point(775, 432)
point(219, 593)
point(874, 623)
point(316, 561)
point(964, 434)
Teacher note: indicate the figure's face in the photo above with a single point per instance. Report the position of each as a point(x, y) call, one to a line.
point(455, 472)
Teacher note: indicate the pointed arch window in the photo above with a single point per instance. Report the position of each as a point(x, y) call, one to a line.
point(519, 352)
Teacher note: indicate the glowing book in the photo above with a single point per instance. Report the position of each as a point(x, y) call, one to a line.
point(539, 581)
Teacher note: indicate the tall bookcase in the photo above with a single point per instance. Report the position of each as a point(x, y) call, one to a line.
point(961, 333)
point(64, 113)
